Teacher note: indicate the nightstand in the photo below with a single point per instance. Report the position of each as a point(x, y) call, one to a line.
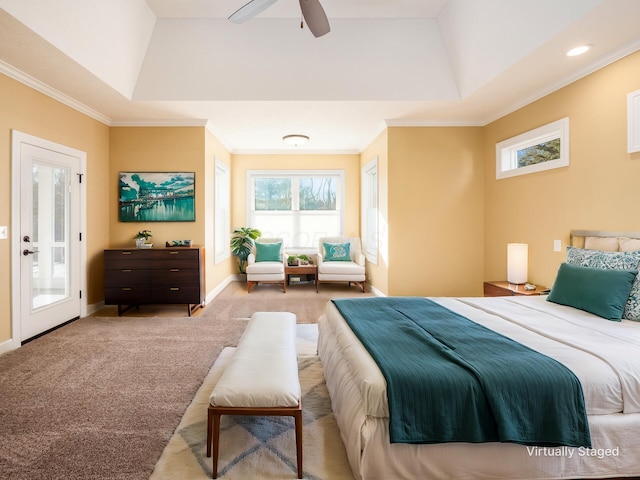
point(506, 289)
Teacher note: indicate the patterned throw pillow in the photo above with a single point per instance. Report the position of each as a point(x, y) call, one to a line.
point(612, 261)
point(337, 252)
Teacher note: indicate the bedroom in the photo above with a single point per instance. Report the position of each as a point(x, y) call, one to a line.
point(465, 218)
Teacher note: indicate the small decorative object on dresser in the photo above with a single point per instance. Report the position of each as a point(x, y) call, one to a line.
point(142, 238)
point(505, 289)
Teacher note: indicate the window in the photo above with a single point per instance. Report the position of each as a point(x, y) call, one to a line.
point(222, 211)
point(369, 216)
point(300, 206)
point(540, 149)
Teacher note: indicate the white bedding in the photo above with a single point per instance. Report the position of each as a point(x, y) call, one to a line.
point(604, 355)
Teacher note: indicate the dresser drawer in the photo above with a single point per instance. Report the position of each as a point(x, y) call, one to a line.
point(126, 277)
point(119, 259)
point(126, 295)
point(175, 294)
point(175, 277)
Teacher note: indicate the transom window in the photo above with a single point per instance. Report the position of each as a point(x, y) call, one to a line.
point(298, 205)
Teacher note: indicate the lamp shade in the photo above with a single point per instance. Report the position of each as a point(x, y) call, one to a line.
point(517, 262)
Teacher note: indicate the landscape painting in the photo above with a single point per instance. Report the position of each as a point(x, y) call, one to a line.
point(157, 196)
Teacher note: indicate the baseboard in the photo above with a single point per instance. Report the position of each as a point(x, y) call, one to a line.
point(94, 307)
point(8, 346)
point(376, 292)
point(221, 286)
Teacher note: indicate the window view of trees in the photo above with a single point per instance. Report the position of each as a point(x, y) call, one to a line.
point(272, 193)
point(317, 193)
point(543, 152)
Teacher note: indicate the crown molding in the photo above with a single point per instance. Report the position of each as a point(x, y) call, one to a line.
point(31, 82)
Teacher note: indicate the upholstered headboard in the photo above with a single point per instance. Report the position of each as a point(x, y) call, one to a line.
point(605, 240)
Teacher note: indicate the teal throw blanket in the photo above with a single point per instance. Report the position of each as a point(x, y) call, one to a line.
point(450, 379)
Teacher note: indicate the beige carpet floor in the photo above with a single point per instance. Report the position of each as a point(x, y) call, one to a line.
point(101, 397)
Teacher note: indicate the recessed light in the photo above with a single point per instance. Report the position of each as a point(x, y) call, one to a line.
point(295, 140)
point(578, 50)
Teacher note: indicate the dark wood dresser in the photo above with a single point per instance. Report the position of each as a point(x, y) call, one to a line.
point(135, 277)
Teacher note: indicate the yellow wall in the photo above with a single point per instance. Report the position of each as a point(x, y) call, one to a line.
point(598, 190)
point(28, 111)
point(378, 275)
point(436, 211)
point(349, 163)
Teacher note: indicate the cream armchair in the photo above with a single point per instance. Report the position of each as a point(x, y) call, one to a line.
point(266, 263)
point(340, 259)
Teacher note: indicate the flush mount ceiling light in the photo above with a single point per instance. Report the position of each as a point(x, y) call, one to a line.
point(578, 50)
point(295, 140)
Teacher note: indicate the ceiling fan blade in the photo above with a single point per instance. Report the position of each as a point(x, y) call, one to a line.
point(315, 17)
point(250, 10)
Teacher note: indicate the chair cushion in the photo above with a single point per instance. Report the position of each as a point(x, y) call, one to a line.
point(265, 267)
point(337, 252)
point(268, 252)
point(341, 268)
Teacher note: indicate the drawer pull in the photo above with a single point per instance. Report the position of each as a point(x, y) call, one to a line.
point(126, 253)
point(126, 289)
point(126, 270)
point(175, 270)
point(174, 289)
point(174, 253)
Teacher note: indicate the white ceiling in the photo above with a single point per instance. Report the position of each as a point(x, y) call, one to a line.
point(384, 63)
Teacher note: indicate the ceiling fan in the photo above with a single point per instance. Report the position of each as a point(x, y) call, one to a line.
point(312, 12)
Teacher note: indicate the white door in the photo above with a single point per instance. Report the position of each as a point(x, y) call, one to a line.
point(49, 241)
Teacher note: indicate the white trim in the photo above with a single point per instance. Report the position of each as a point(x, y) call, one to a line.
point(51, 92)
point(7, 346)
point(370, 236)
point(17, 139)
point(221, 286)
point(506, 151)
point(633, 122)
point(219, 165)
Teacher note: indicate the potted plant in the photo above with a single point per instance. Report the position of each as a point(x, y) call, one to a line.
point(142, 237)
point(242, 240)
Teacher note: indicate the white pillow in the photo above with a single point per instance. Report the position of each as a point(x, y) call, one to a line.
point(607, 244)
point(629, 244)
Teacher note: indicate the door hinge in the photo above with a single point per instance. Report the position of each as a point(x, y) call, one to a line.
point(80, 293)
point(80, 175)
point(80, 236)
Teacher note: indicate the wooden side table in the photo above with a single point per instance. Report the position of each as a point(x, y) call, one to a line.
point(505, 289)
point(311, 269)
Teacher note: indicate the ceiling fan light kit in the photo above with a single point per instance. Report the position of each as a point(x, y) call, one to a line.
point(295, 140)
point(312, 11)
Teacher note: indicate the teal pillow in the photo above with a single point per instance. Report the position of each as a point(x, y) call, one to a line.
point(268, 252)
point(595, 290)
point(337, 252)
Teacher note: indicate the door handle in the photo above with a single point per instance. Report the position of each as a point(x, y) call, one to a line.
point(26, 252)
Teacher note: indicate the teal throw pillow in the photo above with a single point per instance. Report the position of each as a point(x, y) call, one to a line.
point(337, 252)
point(268, 252)
point(599, 291)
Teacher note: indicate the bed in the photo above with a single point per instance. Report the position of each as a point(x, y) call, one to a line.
point(603, 355)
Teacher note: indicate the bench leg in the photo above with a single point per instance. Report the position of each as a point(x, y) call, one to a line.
point(298, 420)
point(216, 444)
point(209, 430)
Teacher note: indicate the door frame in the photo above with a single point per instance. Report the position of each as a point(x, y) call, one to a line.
point(17, 139)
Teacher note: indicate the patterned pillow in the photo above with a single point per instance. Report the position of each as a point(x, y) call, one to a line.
point(612, 261)
point(337, 252)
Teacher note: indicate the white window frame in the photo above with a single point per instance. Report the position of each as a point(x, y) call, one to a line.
point(633, 122)
point(222, 209)
point(369, 214)
point(250, 199)
point(507, 150)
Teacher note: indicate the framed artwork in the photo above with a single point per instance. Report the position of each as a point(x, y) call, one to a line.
point(542, 148)
point(157, 197)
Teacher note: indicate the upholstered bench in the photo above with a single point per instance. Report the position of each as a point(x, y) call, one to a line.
point(260, 379)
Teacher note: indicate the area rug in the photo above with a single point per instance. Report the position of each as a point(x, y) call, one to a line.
point(259, 447)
